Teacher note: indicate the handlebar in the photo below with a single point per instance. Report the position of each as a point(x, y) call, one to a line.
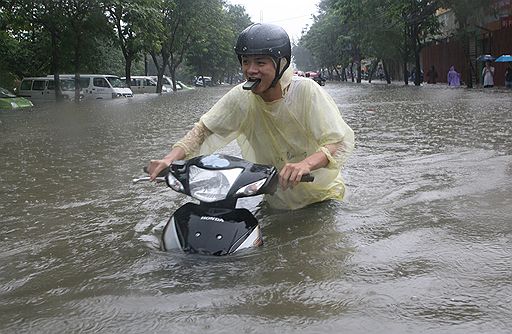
point(162, 173)
point(160, 177)
point(146, 178)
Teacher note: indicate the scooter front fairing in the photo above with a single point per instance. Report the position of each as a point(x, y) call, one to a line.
point(211, 230)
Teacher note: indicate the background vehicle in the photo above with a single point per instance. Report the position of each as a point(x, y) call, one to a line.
point(202, 81)
point(168, 83)
point(183, 86)
point(101, 86)
point(316, 76)
point(9, 101)
point(43, 88)
point(145, 84)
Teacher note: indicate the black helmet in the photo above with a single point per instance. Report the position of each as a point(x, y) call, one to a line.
point(265, 39)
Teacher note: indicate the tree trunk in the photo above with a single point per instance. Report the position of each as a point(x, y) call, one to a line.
point(338, 76)
point(416, 48)
point(358, 72)
point(145, 63)
point(386, 73)
point(470, 71)
point(405, 57)
point(373, 68)
point(160, 70)
point(358, 65)
point(128, 71)
point(78, 64)
point(55, 67)
point(172, 73)
point(406, 73)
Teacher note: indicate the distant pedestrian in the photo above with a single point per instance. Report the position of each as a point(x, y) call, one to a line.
point(488, 75)
point(453, 77)
point(432, 75)
point(508, 77)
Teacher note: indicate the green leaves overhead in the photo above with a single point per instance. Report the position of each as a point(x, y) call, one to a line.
point(57, 36)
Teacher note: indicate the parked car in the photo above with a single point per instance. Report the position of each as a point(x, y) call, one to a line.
point(183, 86)
point(102, 86)
point(10, 101)
point(316, 76)
point(168, 83)
point(145, 84)
point(202, 81)
point(43, 88)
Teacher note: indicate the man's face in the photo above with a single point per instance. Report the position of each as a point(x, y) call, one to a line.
point(259, 67)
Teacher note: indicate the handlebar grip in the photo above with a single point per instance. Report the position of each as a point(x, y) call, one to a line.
point(162, 173)
point(307, 178)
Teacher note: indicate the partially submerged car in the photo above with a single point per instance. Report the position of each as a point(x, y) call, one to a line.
point(202, 81)
point(167, 82)
point(144, 84)
point(9, 101)
point(316, 76)
point(101, 86)
point(43, 88)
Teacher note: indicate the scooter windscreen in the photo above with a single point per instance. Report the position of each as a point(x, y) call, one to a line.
point(218, 177)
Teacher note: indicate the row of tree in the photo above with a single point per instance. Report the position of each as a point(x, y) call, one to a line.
point(113, 36)
point(347, 31)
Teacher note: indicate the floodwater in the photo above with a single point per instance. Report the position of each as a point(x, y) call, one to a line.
point(422, 243)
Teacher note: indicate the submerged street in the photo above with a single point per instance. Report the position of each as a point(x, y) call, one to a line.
point(421, 244)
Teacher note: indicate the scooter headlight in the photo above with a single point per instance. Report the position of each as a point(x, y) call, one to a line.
point(174, 184)
point(211, 185)
point(252, 188)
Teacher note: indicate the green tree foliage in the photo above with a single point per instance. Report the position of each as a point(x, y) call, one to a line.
point(469, 15)
point(326, 39)
point(303, 58)
point(108, 36)
point(52, 36)
point(88, 23)
point(133, 21)
point(236, 21)
point(380, 29)
point(184, 24)
point(42, 25)
point(213, 53)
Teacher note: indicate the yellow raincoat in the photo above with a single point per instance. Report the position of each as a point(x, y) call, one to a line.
point(286, 130)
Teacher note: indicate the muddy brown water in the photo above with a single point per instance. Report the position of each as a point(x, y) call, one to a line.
point(422, 243)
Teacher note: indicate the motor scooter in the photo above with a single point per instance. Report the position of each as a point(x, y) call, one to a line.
point(215, 226)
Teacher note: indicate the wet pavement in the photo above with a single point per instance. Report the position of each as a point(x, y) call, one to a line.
point(422, 243)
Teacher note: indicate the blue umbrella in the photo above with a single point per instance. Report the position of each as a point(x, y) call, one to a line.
point(486, 58)
point(504, 59)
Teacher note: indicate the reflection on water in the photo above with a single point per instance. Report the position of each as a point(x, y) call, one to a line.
point(421, 244)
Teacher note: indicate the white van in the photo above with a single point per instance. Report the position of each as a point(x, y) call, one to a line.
point(144, 84)
point(101, 86)
point(43, 88)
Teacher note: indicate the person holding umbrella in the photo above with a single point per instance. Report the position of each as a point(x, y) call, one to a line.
point(508, 72)
point(508, 77)
point(488, 75)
